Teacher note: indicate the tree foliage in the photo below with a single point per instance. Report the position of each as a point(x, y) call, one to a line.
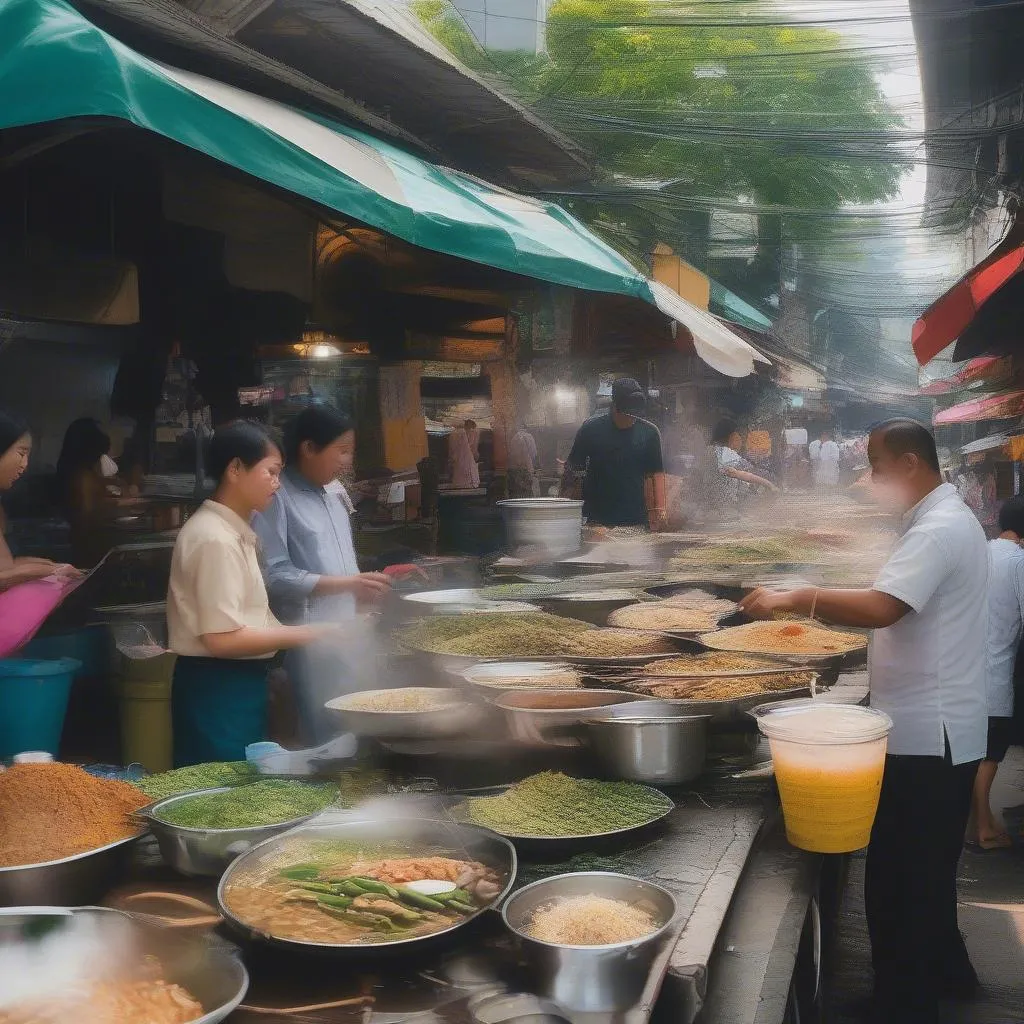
point(683, 116)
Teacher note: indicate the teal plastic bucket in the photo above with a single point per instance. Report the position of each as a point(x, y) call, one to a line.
point(89, 645)
point(33, 702)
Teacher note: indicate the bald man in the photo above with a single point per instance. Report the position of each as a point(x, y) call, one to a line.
point(928, 611)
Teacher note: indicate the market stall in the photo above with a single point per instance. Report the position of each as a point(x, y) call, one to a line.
point(533, 797)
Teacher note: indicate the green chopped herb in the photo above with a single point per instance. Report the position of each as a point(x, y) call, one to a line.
point(261, 803)
point(553, 805)
point(197, 776)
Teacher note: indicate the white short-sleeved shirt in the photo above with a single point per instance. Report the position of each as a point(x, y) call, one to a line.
point(216, 585)
point(927, 671)
point(1005, 621)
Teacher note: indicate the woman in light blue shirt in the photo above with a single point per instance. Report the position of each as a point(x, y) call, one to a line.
point(310, 560)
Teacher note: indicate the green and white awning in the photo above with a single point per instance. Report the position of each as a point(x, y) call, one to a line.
point(57, 65)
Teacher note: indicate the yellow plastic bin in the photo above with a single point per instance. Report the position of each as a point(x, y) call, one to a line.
point(144, 690)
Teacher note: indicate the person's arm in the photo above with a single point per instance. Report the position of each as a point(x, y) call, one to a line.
point(247, 642)
point(575, 464)
point(748, 478)
point(868, 609)
point(906, 583)
point(286, 581)
point(654, 493)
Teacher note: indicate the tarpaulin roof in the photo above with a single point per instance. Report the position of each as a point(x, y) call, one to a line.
point(993, 407)
point(58, 65)
point(977, 371)
point(985, 444)
point(951, 314)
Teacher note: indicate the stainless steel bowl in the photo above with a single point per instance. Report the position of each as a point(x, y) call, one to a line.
point(490, 679)
point(208, 968)
point(656, 742)
point(458, 718)
point(592, 979)
point(72, 881)
point(205, 851)
point(532, 716)
point(479, 844)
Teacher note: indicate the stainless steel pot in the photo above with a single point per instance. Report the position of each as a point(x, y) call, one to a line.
point(654, 742)
point(553, 525)
point(205, 851)
point(553, 717)
point(592, 979)
point(71, 881)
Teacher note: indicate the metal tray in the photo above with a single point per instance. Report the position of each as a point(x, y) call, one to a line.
point(544, 843)
point(845, 659)
point(735, 708)
point(479, 843)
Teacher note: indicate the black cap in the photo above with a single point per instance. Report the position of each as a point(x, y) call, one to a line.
point(628, 396)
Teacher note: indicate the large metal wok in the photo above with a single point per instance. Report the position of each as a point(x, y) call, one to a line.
point(420, 837)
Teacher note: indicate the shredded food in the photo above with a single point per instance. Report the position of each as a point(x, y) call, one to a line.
point(662, 616)
point(785, 637)
point(58, 810)
point(712, 663)
point(725, 687)
point(554, 805)
point(527, 636)
point(589, 921)
point(404, 699)
point(564, 679)
point(134, 1001)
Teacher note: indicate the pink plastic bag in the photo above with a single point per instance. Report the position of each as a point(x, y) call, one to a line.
point(25, 607)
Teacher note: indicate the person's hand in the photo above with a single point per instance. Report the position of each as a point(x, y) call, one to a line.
point(764, 603)
point(25, 572)
point(369, 587)
point(404, 572)
point(66, 572)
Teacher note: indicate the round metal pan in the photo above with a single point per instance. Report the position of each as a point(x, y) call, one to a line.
point(209, 969)
point(459, 839)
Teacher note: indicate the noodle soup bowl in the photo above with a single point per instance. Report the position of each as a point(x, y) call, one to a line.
point(596, 979)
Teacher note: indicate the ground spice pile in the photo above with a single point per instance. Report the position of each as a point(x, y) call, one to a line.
point(50, 811)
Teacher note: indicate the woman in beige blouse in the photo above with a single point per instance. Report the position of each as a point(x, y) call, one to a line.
point(218, 614)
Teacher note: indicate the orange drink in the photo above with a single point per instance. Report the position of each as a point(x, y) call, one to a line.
point(829, 760)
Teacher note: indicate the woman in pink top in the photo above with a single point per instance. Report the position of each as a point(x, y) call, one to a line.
point(15, 447)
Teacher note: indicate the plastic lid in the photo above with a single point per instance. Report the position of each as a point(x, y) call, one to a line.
point(33, 757)
point(817, 721)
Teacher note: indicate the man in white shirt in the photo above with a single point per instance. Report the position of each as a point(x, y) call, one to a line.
point(1005, 623)
point(825, 455)
point(928, 609)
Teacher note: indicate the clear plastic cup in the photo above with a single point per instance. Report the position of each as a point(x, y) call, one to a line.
point(829, 761)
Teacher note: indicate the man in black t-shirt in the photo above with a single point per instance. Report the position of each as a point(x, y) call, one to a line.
point(620, 455)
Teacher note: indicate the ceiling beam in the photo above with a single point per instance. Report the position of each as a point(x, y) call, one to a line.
point(228, 16)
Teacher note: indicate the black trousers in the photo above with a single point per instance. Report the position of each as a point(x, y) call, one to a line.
point(910, 885)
